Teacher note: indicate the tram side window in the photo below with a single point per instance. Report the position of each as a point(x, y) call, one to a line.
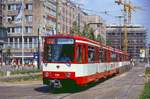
point(105, 55)
point(91, 54)
point(97, 53)
point(102, 55)
point(113, 57)
point(121, 58)
point(117, 58)
point(79, 54)
point(49, 54)
point(45, 56)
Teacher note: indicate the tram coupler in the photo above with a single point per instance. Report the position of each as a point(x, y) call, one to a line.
point(55, 84)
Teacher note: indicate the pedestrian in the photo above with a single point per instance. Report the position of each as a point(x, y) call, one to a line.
point(132, 62)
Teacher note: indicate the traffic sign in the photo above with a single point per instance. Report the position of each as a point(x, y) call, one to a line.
point(36, 55)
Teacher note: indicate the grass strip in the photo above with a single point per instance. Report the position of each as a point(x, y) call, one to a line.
point(146, 91)
point(24, 72)
point(30, 78)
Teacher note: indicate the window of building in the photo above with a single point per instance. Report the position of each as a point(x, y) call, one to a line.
point(25, 40)
point(12, 7)
point(29, 6)
point(13, 29)
point(30, 40)
point(11, 39)
point(18, 29)
point(28, 29)
point(0, 19)
point(113, 33)
point(29, 18)
point(9, 30)
point(13, 18)
point(9, 7)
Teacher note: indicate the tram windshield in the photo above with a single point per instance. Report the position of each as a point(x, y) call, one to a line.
point(60, 52)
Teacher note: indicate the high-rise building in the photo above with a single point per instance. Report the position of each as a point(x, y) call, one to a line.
point(39, 20)
point(136, 38)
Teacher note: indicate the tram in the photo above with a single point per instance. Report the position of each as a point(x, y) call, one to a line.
point(79, 60)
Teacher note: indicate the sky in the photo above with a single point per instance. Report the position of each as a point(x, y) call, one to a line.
point(140, 17)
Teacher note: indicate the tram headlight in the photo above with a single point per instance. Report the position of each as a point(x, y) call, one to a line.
point(46, 74)
point(68, 75)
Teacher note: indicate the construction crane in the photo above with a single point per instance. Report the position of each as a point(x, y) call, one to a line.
point(128, 8)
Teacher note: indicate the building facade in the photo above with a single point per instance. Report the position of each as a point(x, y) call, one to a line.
point(136, 38)
point(98, 25)
point(70, 12)
point(3, 33)
point(39, 20)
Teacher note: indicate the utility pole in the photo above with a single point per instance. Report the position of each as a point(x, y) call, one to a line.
point(39, 53)
point(23, 33)
point(57, 15)
point(120, 29)
point(125, 26)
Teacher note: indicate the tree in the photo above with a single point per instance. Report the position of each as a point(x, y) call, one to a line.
point(74, 29)
point(85, 32)
point(91, 34)
point(108, 42)
point(99, 38)
point(88, 32)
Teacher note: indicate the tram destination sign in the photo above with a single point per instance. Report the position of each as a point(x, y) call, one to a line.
point(65, 41)
point(60, 41)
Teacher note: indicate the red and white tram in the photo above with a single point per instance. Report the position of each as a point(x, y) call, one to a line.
point(78, 59)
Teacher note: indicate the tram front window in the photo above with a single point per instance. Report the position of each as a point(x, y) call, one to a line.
point(60, 53)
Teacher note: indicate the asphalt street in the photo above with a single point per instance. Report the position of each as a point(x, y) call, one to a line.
point(128, 85)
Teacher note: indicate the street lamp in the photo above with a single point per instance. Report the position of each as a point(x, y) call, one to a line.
point(39, 55)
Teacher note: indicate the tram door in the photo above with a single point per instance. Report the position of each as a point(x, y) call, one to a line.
point(80, 53)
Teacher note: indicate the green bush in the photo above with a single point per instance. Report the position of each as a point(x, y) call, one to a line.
point(31, 78)
point(24, 71)
point(1, 73)
point(147, 71)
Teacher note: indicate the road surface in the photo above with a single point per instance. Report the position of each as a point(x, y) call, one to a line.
point(128, 85)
